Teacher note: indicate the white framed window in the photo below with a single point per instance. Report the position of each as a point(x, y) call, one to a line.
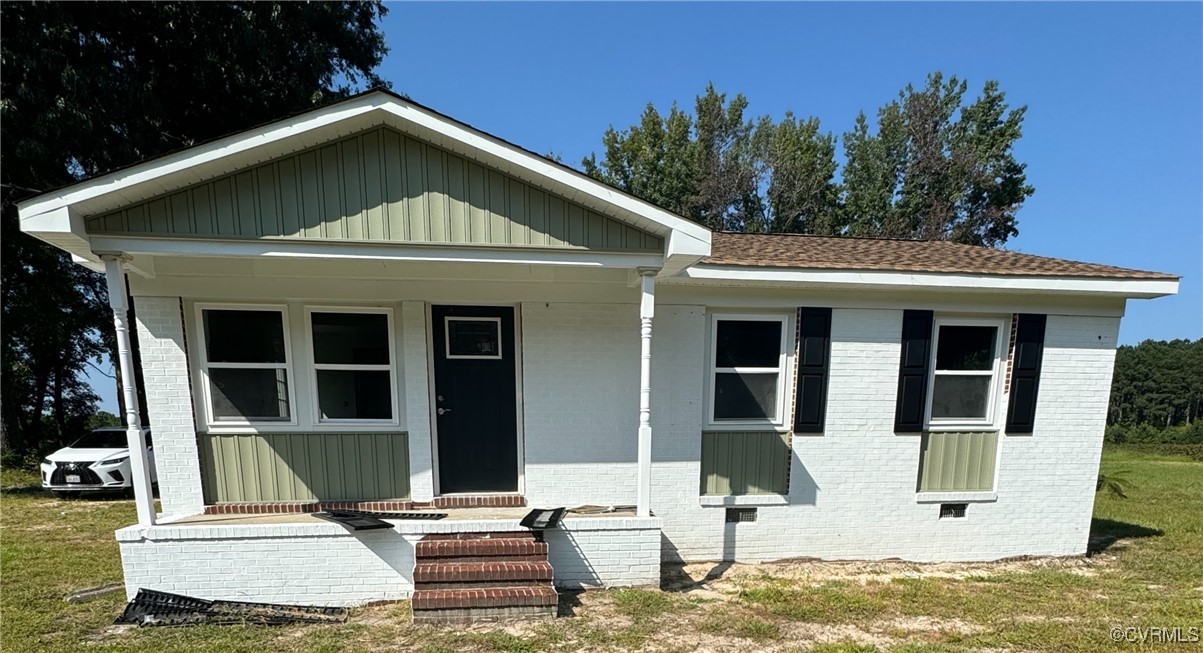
point(472, 337)
point(245, 365)
point(354, 365)
point(749, 359)
point(968, 357)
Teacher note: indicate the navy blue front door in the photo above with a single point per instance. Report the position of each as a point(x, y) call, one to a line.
point(476, 408)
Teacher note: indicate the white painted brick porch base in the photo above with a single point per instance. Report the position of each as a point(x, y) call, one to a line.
point(324, 564)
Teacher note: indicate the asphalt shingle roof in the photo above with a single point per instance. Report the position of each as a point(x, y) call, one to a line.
point(797, 251)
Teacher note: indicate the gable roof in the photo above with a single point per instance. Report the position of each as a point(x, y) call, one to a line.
point(806, 252)
point(58, 216)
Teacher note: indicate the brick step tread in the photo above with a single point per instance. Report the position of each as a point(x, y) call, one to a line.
point(454, 572)
point(482, 535)
point(479, 584)
point(484, 558)
point(479, 548)
point(493, 597)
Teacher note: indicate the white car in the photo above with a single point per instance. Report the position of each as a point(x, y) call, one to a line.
point(97, 461)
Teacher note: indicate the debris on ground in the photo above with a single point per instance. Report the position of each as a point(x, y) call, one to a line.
point(95, 592)
point(154, 608)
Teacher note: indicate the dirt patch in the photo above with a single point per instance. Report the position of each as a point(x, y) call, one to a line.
point(723, 579)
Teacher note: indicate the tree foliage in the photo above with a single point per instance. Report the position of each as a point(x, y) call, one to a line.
point(931, 167)
point(87, 87)
point(1157, 392)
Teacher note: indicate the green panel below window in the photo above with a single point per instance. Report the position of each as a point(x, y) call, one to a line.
point(957, 462)
point(304, 466)
point(744, 463)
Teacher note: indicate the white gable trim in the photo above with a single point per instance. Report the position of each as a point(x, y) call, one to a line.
point(686, 241)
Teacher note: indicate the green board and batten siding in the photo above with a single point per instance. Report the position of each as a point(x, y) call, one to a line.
point(378, 186)
point(737, 463)
point(304, 466)
point(957, 462)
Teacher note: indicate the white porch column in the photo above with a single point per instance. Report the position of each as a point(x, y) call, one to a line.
point(139, 465)
point(647, 309)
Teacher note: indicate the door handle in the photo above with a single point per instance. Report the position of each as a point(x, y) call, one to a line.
point(444, 410)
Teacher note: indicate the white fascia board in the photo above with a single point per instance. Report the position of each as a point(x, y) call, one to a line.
point(683, 250)
point(746, 276)
point(276, 248)
point(60, 220)
point(62, 227)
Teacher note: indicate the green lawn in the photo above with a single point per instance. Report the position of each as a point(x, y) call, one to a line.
point(1149, 573)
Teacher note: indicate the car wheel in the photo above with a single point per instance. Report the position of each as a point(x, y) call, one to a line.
point(65, 495)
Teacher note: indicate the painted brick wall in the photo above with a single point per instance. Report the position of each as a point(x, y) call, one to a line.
point(322, 564)
point(417, 399)
point(580, 368)
point(852, 489)
point(606, 552)
point(335, 570)
point(169, 403)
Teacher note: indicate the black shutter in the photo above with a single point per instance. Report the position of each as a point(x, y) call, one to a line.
point(1025, 372)
point(814, 355)
point(913, 372)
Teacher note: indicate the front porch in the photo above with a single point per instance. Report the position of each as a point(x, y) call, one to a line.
point(299, 558)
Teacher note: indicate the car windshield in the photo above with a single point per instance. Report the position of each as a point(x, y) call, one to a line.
point(102, 440)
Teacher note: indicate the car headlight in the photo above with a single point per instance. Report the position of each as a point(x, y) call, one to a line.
point(47, 461)
point(115, 461)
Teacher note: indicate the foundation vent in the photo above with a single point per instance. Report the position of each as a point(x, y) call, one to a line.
point(953, 510)
point(739, 515)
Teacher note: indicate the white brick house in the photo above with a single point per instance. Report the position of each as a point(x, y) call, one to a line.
point(372, 305)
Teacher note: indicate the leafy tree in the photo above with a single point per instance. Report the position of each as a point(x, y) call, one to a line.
point(88, 87)
point(802, 193)
point(725, 162)
point(703, 167)
point(654, 160)
point(1157, 384)
point(933, 168)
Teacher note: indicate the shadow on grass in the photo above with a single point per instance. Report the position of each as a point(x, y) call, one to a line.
point(24, 491)
point(570, 600)
point(1106, 532)
point(674, 579)
point(85, 495)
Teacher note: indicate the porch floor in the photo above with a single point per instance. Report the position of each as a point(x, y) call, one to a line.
point(453, 514)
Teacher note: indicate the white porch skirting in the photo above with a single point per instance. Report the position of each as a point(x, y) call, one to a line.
point(318, 563)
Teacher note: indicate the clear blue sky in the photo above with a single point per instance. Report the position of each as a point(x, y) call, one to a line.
point(1113, 137)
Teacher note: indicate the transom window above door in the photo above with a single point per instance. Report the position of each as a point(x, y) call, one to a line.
point(748, 383)
point(968, 359)
point(244, 366)
point(353, 364)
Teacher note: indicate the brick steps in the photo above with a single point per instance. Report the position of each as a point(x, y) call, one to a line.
point(493, 597)
point(467, 577)
point(482, 548)
point(475, 572)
